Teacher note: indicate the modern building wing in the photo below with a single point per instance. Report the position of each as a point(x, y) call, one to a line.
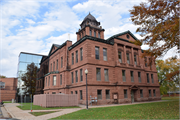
point(24, 60)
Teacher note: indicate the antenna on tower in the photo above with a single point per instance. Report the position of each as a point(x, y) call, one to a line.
point(68, 36)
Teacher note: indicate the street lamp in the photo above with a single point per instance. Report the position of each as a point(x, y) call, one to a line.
point(86, 72)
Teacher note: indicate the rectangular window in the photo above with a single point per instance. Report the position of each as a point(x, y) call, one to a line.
point(149, 93)
point(145, 61)
point(119, 56)
point(123, 75)
point(128, 60)
point(147, 77)
point(81, 75)
point(71, 92)
point(81, 95)
point(105, 54)
point(76, 92)
point(125, 94)
point(76, 76)
point(139, 76)
point(81, 53)
point(94, 33)
point(53, 92)
point(72, 77)
point(72, 58)
point(99, 94)
point(132, 76)
point(106, 76)
point(61, 62)
point(98, 34)
point(98, 74)
point(60, 79)
point(97, 52)
point(46, 81)
point(90, 33)
point(56, 64)
point(76, 56)
point(53, 66)
point(49, 81)
point(107, 94)
point(54, 80)
point(135, 60)
point(154, 92)
point(141, 93)
point(152, 78)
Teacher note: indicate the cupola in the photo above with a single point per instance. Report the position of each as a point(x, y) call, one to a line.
point(90, 26)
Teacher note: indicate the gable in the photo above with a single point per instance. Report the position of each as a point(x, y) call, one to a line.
point(127, 36)
point(53, 48)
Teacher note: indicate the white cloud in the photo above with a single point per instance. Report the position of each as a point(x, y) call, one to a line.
point(30, 21)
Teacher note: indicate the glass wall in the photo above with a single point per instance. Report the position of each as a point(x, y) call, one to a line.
point(24, 60)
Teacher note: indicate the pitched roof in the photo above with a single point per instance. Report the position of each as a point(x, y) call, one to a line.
point(90, 38)
point(119, 34)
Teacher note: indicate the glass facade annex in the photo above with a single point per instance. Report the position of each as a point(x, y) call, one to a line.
point(24, 60)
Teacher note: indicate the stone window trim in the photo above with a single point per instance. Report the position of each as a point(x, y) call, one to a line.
point(135, 53)
point(127, 51)
point(120, 50)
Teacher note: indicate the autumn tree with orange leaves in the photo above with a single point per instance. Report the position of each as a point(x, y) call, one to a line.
point(168, 74)
point(158, 22)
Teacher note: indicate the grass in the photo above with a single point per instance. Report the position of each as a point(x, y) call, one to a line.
point(170, 98)
point(7, 101)
point(27, 106)
point(155, 110)
point(41, 113)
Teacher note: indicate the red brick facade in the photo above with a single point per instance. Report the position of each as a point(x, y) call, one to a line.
point(116, 71)
point(9, 92)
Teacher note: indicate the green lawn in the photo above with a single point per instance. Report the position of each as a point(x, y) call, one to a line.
point(41, 113)
point(7, 101)
point(170, 98)
point(27, 106)
point(156, 110)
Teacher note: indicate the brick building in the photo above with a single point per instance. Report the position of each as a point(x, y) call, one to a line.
point(116, 71)
point(8, 92)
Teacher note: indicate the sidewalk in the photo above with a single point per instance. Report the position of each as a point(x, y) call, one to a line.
point(17, 113)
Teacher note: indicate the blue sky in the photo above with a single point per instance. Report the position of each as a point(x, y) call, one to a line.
point(34, 25)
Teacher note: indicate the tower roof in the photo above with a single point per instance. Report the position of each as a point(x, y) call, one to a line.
point(89, 16)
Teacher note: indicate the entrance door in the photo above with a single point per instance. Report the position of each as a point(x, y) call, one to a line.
point(132, 96)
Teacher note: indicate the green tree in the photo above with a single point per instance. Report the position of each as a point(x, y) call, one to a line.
point(2, 76)
point(29, 79)
point(158, 22)
point(168, 74)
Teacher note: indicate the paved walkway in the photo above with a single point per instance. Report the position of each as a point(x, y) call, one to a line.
point(17, 113)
